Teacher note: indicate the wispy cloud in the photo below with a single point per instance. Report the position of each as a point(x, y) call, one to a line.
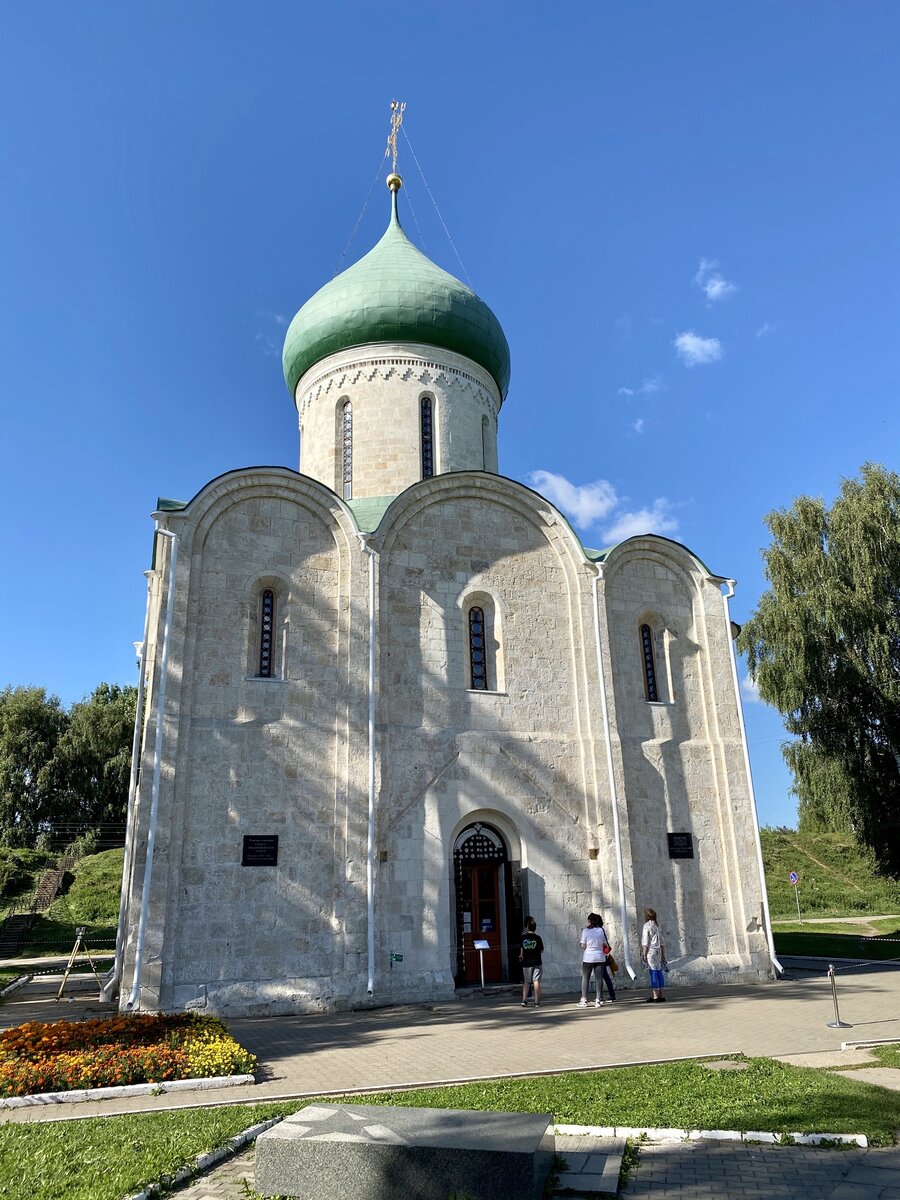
point(712, 282)
point(764, 329)
point(651, 384)
point(598, 506)
point(622, 326)
point(267, 334)
point(694, 350)
point(750, 691)
point(638, 425)
point(648, 386)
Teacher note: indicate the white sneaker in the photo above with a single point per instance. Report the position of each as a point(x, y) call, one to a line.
point(582, 1003)
point(598, 1004)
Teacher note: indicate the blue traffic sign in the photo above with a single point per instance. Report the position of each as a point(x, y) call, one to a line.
point(795, 878)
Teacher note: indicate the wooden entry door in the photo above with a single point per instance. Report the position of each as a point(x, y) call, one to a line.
point(481, 891)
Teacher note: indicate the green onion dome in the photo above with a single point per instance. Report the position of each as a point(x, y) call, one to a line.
point(395, 294)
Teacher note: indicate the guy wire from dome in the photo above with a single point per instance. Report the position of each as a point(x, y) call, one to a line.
point(395, 294)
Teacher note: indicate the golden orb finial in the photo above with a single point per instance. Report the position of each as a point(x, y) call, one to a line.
point(394, 182)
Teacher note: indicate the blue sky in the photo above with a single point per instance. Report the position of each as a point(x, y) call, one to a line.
point(685, 215)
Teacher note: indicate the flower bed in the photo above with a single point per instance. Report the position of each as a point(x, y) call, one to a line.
point(59, 1056)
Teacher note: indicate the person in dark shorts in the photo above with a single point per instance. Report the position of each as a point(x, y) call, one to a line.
point(530, 957)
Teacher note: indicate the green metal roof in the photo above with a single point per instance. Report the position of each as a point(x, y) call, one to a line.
point(369, 510)
point(395, 294)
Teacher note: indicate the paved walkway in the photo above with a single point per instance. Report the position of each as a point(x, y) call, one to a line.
point(493, 1036)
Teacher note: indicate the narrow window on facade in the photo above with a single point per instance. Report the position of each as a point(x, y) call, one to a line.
point(427, 437)
point(347, 449)
point(266, 634)
point(651, 690)
point(478, 667)
point(484, 443)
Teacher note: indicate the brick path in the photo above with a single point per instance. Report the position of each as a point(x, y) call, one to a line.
point(726, 1171)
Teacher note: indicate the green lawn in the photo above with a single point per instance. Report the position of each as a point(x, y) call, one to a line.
point(105, 1159)
point(837, 877)
point(92, 900)
point(767, 1096)
point(888, 927)
point(835, 945)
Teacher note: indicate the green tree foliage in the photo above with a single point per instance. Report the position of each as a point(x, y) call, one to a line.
point(824, 649)
point(59, 767)
point(93, 756)
point(31, 724)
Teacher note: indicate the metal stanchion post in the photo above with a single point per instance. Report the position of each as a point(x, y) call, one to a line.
point(837, 1023)
point(481, 964)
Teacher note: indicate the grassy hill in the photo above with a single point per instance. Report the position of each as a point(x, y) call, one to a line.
point(837, 877)
point(90, 897)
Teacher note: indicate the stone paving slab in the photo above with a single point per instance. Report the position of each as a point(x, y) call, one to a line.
point(886, 1077)
point(592, 1166)
point(828, 1058)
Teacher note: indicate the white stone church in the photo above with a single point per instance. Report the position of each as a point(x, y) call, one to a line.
point(391, 704)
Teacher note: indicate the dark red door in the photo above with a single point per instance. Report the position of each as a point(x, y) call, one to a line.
point(481, 889)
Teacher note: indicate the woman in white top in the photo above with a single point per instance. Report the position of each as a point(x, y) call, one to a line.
point(594, 947)
point(653, 952)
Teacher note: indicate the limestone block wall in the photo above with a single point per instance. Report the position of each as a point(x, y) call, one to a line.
point(510, 757)
point(245, 755)
point(384, 385)
point(681, 761)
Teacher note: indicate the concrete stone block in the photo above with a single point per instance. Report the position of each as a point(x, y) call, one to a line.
point(369, 1152)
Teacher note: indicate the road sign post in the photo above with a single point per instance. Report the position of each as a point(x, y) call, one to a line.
point(795, 883)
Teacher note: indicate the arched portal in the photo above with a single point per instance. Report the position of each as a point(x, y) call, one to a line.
point(488, 906)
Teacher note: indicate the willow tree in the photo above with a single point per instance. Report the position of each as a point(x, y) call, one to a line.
point(824, 649)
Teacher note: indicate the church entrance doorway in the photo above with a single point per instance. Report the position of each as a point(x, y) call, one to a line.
point(488, 908)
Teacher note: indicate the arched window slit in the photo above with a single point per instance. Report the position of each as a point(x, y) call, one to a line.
point(478, 650)
point(347, 449)
point(427, 423)
point(651, 689)
point(266, 634)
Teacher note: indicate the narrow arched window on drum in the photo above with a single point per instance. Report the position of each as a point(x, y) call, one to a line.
point(477, 650)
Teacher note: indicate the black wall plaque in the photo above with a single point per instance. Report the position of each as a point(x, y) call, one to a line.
point(260, 850)
point(681, 845)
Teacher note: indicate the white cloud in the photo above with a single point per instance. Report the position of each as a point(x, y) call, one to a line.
point(694, 350)
point(655, 519)
point(648, 386)
point(598, 505)
point(764, 329)
point(586, 505)
point(750, 691)
point(711, 281)
point(638, 425)
point(622, 326)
